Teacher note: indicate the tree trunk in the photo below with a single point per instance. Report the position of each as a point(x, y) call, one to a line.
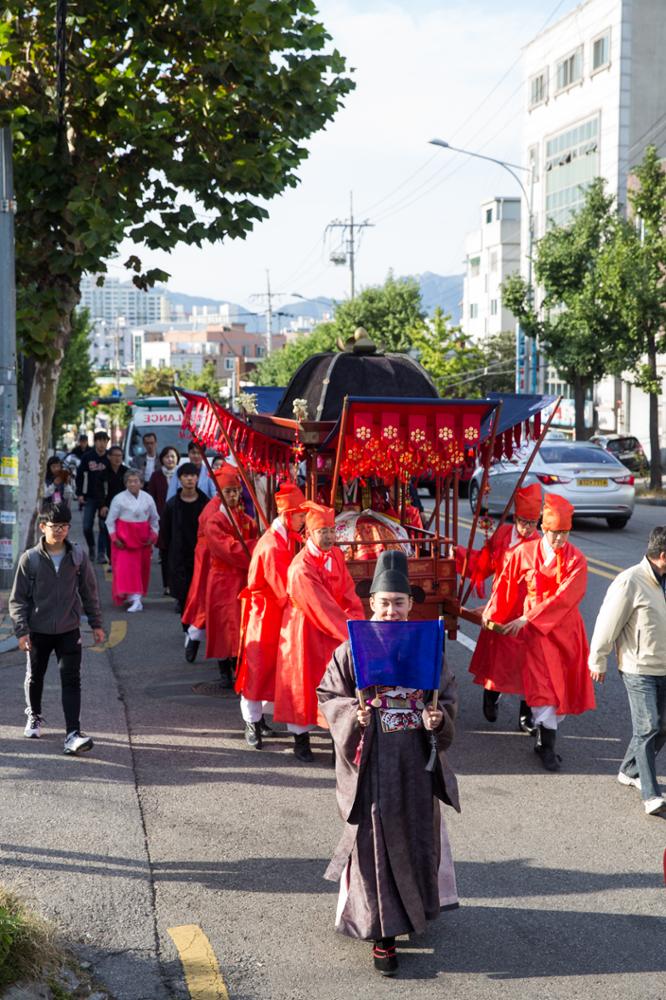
point(655, 452)
point(39, 406)
point(579, 386)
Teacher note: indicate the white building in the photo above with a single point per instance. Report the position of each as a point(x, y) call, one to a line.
point(115, 299)
point(492, 253)
point(595, 99)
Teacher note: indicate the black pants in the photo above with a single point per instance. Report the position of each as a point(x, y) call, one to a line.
point(67, 648)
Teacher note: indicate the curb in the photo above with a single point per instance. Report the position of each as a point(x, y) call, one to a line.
point(650, 501)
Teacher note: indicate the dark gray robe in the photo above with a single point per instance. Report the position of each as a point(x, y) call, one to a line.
point(390, 805)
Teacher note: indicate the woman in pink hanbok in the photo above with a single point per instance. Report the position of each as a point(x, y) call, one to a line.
point(133, 524)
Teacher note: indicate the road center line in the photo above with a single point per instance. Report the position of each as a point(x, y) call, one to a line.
point(202, 971)
point(465, 641)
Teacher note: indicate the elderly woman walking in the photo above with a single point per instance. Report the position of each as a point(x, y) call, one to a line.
point(133, 524)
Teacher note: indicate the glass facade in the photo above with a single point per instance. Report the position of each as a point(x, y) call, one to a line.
point(572, 162)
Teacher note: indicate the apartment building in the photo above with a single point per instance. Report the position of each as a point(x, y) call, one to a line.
point(492, 253)
point(595, 99)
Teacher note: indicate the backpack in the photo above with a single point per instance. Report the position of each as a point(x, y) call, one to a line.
point(33, 563)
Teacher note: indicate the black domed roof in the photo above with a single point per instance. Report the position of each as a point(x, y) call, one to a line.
point(325, 379)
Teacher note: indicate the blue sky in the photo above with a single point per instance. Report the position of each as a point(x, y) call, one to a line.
point(423, 69)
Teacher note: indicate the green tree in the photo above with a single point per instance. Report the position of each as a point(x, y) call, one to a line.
point(449, 356)
point(632, 285)
point(278, 367)
point(159, 381)
point(581, 336)
point(176, 124)
point(76, 385)
point(389, 312)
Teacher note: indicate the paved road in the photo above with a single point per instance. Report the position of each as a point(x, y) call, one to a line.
point(171, 821)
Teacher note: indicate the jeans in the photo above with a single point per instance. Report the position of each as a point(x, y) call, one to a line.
point(647, 703)
point(67, 648)
point(90, 508)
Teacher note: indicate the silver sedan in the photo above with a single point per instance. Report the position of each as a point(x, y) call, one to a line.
point(585, 474)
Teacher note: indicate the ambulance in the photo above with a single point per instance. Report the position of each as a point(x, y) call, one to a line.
point(159, 415)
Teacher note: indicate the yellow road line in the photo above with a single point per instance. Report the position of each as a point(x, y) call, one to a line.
point(117, 633)
point(600, 572)
point(202, 972)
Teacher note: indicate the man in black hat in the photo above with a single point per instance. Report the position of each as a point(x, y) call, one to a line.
point(393, 862)
point(54, 579)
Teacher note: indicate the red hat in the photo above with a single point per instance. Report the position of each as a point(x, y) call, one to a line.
point(529, 501)
point(289, 498)
point(318, 516)
point(557, 513)
point(227, 475)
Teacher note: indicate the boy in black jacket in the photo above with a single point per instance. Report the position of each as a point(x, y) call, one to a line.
point(91, 479)
point(53, 580)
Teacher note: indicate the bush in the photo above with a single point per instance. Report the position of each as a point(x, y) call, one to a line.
point(27, 943)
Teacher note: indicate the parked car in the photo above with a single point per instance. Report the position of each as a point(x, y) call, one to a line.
point(587, 475)
point(626, 448)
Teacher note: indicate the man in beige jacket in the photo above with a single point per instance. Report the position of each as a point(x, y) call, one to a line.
point(632, 619)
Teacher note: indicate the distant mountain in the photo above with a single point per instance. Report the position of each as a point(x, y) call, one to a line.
point(440, 290)
point(187, 301)
point(445, 291)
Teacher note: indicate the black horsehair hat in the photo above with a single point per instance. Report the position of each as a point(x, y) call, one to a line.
point(391, 576)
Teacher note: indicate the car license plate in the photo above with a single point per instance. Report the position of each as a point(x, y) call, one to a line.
point(592, 482)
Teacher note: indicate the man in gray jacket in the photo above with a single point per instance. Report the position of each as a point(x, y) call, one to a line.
point(54, 579)
point(633, 619)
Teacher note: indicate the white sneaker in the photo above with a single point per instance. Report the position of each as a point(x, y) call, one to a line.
point(136, 605)
point(33, 727)
point(76, 742)
point(654, 805)
point(624, 779)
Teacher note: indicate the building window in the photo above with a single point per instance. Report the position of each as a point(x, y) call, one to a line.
point(572, 162)
point(473, 311)
point(259, 352)
point(229, 364)
point(493, 260)
point(601, 51)
point(538, 88)
point(533, 160)
point(493, 307)
point(570, 69)
point(474, 267)
point(489, 215)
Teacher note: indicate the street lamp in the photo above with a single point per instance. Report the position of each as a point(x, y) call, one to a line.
point(511, 169)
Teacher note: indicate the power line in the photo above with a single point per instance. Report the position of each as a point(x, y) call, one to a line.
point(349, 229)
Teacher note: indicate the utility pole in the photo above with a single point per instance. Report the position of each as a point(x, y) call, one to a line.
point(349, 230)
point(268, 297)
point(8, 409)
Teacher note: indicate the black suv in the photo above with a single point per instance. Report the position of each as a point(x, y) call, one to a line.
point(626, 448)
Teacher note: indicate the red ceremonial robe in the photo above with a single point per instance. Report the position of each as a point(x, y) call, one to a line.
point(497, 660)
point(554, 643)
point(226, 578)
point(264, 600)
point(194, 612)
point(314, 624)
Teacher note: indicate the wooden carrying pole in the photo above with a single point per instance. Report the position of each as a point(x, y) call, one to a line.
point(528, 463)
point(479, 505)
point(211, 475)
point(338, 451)
point(520, 480)
point(242, 471)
